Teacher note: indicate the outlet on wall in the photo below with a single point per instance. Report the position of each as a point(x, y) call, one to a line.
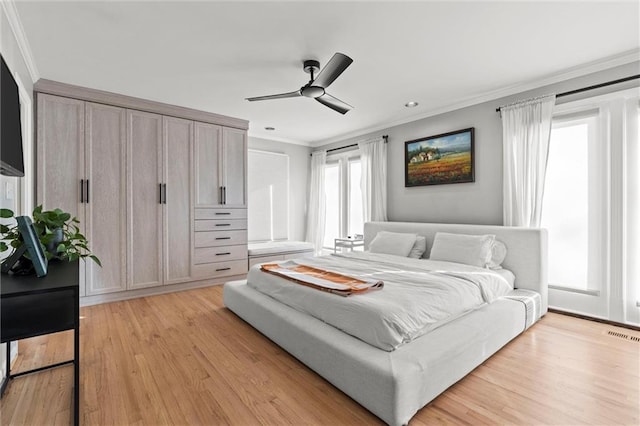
point(8, 191)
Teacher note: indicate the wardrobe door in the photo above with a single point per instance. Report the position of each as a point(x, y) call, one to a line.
point(60, 158)
point(207, 147)
point(234, 166)
point(105, 153)
point(146, 194)
point(178, 140)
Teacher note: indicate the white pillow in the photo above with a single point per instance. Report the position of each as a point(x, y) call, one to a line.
point(472, 250)
point(419, 247)
point(395, 243)
point(498, 253)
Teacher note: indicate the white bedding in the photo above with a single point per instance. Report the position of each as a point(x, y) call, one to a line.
point(419, 295)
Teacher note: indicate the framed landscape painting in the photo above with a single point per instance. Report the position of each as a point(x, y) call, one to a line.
point(439, 159)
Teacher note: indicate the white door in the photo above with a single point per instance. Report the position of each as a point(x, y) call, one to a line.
point(60, 159)
point(105, 203)
point(178, 139)
point(206, 150)
point(145, 195)
point(234, 166)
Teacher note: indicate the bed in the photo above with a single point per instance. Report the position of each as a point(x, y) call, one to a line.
point(395, 383)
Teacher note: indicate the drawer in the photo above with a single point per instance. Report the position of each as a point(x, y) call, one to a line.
point(220, 213)
point(219, 269)
point(220, 238)
point(220, 224)
point(39, 313)
point(219, 254)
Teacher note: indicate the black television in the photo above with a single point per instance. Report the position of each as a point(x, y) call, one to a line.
point(11, 157)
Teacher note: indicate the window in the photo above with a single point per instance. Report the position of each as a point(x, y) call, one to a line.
point(268, 185)
point(591, 207)
point(343, 198)
point(333, 213)
point(567, 212)
point(356, 224)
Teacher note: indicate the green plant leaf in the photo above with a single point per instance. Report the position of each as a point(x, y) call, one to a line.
point(95, 259)
point(4, 228)
point(6, 213)
point(3, 246)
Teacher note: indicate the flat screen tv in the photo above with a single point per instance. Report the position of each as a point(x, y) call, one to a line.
point(11, 159)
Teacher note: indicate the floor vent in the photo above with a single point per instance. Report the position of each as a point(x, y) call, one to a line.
point(623, 336)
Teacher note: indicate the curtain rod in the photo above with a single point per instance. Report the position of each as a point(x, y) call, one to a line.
point(595, 86)
point(385, 137)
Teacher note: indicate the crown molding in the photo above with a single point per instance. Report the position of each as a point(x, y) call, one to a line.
point(10, 10)
point(574, 72)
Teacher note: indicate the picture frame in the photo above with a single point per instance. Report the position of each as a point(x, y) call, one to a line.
point(440, 159)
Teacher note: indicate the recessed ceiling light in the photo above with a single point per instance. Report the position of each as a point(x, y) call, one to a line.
point(269, 128)
point(411, 104)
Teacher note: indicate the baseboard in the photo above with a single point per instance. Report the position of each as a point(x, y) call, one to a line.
point(152, 291)
point(588, 318)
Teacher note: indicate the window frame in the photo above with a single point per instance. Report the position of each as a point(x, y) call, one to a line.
point(615, 136)
point(343, 160)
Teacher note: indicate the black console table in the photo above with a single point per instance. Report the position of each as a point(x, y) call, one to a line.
point(32, 306)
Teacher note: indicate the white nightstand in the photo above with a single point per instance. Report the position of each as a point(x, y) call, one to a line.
point(349, 243)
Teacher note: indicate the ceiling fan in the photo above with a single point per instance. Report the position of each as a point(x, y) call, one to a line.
point(315, 88)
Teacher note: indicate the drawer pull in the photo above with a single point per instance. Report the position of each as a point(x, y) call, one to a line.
point(223, 238)
point(222, 269)
point(222, 213)
point(223, 254)
point(223, 224)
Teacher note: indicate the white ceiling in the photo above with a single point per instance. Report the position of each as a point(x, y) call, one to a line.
point(212, 55)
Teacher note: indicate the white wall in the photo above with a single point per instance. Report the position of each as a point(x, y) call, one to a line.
point(299, 163)
point(479, 202)
point(12, 55)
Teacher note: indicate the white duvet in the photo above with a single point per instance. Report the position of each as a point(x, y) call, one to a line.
point(418, 296)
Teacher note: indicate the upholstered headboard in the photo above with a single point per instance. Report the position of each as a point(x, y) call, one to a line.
point(526, 247)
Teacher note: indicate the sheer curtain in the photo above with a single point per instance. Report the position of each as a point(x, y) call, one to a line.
point(526, 129)
point(373, 181)
point(317, 206)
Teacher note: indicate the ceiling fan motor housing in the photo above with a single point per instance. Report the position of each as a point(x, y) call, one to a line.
point(311, 66)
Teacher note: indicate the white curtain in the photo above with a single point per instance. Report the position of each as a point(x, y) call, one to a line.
point(317, 201)
point(373, 181)
point(526, 129)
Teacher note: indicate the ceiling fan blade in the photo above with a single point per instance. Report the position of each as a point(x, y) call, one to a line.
point(336, 65)
point(334, 103)
point(279, 96)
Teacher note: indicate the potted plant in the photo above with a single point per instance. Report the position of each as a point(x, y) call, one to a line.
point(57, 231)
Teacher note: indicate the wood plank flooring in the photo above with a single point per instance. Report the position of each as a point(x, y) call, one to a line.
point(183, 358)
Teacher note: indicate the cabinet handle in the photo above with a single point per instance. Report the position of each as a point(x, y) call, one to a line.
point(87, 201)
point(224, 195)
point(223, 238)
point(222, 213)
point(223, 224)
point(223, 254)
point(221, 196)
point(81, 190)
point(222, 269)
point(160, 193)
point(164, 192)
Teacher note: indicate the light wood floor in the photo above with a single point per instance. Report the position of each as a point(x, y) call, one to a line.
point(183, 358)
